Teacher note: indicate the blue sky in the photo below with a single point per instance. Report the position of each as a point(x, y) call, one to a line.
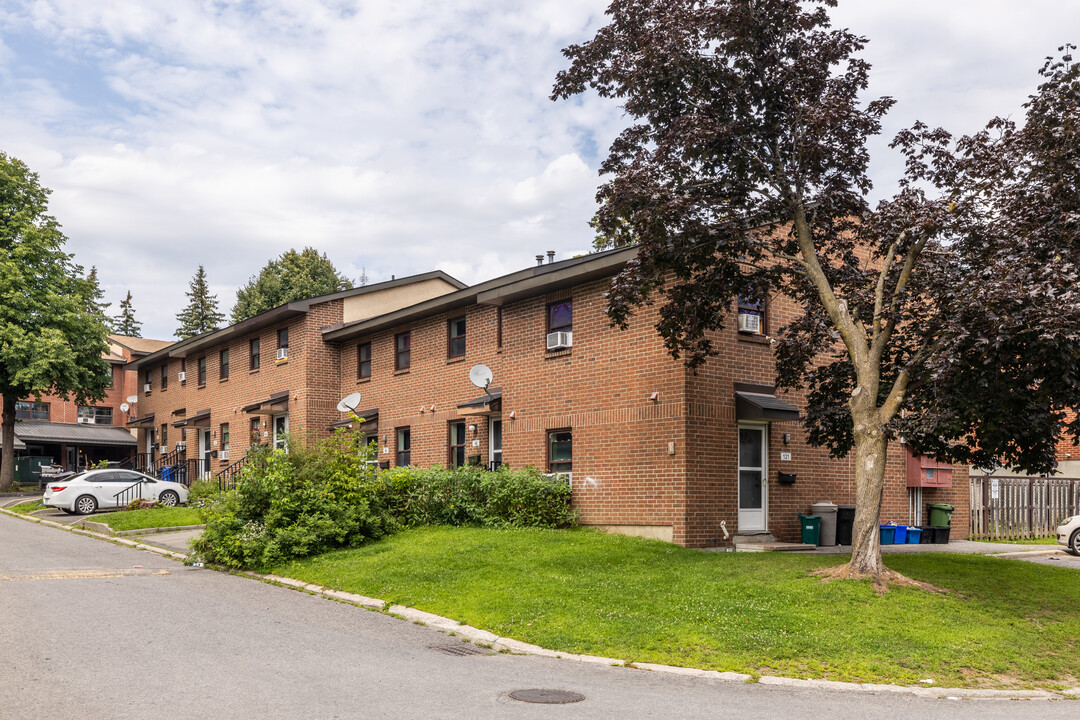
point(397, 137)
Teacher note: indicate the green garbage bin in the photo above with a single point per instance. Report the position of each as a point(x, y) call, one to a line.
point(810, 526)
point(940, 514)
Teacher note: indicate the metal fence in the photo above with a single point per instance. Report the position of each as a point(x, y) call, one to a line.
point(1021, 507)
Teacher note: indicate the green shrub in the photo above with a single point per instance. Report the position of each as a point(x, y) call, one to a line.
point(203, 489)
point(307, 501)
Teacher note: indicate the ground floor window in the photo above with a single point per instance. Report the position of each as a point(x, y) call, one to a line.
point(224, 454)
point(404, 446)
point(95, 415)
point(560, 446)
point(457, 443)
point(32, 411)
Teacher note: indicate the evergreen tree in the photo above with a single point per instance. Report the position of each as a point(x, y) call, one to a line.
point(125, 323)
point(201, 315)
point(99, 294)
point(293, 276)
point(52, 337)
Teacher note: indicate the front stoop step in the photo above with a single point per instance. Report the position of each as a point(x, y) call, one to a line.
point(765, 542)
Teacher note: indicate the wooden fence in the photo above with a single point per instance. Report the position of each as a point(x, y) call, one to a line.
point(1021, 507)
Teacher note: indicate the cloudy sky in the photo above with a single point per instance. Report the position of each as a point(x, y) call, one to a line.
point(396, 136)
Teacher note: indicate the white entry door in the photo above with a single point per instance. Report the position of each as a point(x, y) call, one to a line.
point(753, 474)
point(204, 471)
point(280, 424)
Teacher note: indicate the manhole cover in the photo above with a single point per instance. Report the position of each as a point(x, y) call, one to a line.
point(548, 697)
point(460, 650)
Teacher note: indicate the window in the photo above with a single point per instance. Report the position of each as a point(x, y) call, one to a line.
point(457, 444)
point(224, 454)
point(253, 346)
point(94, 415)
point(223, 366)
point(498, 327)
point(165, 377)
point(256, 431)
point(560, 451)
point(111, 378)
point(751, 317)
point(455, 331)
point(283, 343)
point(25, 410)
point(183, 369)
point(495, 444)
point(401, 351)
point(404, 446)
point(363, 361)
point(149, 380)
point(202, 371)
point(164, 438)
point(561, 316)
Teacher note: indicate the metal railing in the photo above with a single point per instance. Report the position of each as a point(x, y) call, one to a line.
point(131, 492)
point(228, 475)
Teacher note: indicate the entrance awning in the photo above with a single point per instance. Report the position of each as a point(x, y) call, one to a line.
point(19, 444)
point(762, 406)
point(146, 420)
point(370, 416)
point(72, 434)
point(276, 404)
point(199, 419)
point(490, 404)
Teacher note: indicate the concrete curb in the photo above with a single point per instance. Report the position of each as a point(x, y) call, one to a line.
point(1030, 553)
point(104, 529)
point(478, 636)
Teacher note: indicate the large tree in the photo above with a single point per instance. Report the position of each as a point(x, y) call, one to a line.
point(125, 323)
point(52, 330)
point(292, 276)
point(201, 314)
point(947, 314)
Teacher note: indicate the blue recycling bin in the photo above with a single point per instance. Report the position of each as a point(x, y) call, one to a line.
point(168, 473)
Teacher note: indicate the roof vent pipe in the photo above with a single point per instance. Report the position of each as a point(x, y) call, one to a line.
point(551, 256)
point(539, 259)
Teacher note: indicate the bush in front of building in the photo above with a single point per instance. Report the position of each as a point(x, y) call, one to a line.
point(309, 500)
point(474, 496)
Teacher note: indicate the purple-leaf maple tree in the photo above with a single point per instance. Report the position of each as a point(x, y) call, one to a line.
point(947, 314)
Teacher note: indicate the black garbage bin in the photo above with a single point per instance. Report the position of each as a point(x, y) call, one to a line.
point(845, 520)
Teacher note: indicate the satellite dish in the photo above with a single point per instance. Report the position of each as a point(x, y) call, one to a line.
point(480, 376)
point(124, 407)
point(349, 403)
point(133, 399)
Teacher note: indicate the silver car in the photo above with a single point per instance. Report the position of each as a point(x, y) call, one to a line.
point(102, 489)
point(1068, 534)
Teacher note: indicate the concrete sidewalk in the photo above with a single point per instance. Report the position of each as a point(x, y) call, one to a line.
point(965, 547)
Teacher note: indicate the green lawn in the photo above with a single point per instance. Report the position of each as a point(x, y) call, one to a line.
point(1004, 623)
point(159, 517)
point(1024, 541)
point(27, 507)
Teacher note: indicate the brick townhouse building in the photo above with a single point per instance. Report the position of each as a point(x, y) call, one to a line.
point(54, 431)
point(650, 448)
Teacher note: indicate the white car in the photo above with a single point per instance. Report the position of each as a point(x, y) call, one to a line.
point(88, 491)
point(1068, 534)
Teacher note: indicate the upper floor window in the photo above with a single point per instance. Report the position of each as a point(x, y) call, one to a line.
point(149, 381)
point(223, 366)
point(27, 410)
point(111, 377)
point(94, 415)
point(283, 343)
point(164, 377)
point(402, 345)
point(455, 332)
point(363, 360)
point(561, 316)
point(751, 315)
point(183, 370)
point(202, 371)
point(253, 349)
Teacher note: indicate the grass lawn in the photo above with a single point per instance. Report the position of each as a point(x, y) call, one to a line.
point(160, 517)
point(1003, 623)
point(27, 507)
point(1025, 541)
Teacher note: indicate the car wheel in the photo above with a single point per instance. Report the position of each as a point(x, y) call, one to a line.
point(85, 505)
point(169, 498)
point(1074, 543)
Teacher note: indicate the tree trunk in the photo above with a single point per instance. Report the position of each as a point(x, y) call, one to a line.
point(871, 447)
point(7, 446)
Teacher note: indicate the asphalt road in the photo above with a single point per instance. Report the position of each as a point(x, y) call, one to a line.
point(95, 630)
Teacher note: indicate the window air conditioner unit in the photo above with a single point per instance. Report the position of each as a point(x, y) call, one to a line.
point(85, 420)
point(146, 387)
point(181, 445)
point(182, 376)
point(282, 353)
point(749, 323)
point(223, 455)
point(560, 340)
point(563, 477)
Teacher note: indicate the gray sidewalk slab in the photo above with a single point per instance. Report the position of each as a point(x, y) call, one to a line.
point(966, 547)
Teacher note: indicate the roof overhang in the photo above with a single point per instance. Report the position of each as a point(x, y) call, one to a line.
point(760, 403)
point(276, 404)
point(144, 421)
point(73, 434)
point(369, 416)
point(199, 419)
point(488, 405)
